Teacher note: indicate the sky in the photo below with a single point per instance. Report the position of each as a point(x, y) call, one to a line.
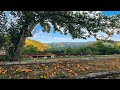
point(45, 37)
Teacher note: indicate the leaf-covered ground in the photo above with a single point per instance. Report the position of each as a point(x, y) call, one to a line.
point(62, 69)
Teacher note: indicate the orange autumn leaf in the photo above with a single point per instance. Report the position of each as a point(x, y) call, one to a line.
point(78, 65)
point(87, 68)
point(41, 77)
point(26, 70)
point(55, 68)
point(54, 72)
point(75, 74)
point(70, 71)
point(54, 64)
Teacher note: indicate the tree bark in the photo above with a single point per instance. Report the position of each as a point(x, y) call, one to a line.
point(18, 50)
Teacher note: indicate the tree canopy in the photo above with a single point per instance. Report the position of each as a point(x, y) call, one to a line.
point(80, 24)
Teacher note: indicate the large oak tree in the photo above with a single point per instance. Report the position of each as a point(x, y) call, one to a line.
point(79, 24)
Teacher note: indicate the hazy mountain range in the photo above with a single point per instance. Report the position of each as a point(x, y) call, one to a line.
point(71, 44)
point(44, 46)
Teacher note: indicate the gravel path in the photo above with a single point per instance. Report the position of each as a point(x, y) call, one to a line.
point(60, 59)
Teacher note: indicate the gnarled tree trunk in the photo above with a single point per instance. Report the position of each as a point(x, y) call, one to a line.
point(18, 49)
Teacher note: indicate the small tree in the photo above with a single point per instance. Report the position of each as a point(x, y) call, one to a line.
point(69, 50)
point(30, 50)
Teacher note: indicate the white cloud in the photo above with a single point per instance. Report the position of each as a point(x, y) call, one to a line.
point(53, 37)
point(49, 36)
point(60, 38)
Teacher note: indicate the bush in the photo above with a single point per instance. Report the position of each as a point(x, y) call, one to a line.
point(30, 50)
point(5, 58)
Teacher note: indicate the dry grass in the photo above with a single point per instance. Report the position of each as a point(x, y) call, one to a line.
point(67, 68)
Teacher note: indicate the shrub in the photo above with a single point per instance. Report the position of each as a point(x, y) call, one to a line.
point(30, 50)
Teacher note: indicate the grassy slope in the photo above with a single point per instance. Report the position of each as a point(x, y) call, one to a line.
point(118, 44)
point(40, 46)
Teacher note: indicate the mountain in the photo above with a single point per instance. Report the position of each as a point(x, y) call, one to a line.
point(40, 46)
point(71, 44)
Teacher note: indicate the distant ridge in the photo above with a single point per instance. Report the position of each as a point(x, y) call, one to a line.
point(71, 44)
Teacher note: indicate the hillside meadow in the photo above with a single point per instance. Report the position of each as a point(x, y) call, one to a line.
point(40, 46)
